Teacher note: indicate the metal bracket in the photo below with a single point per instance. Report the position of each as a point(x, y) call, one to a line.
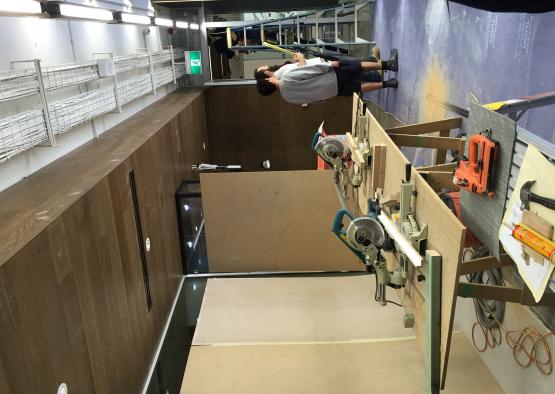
point(44, 103)
point(151, 71)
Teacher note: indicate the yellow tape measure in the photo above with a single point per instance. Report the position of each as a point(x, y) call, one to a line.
point(279, 49)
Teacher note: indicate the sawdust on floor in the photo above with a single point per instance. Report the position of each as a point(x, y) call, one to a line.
point(436, 84)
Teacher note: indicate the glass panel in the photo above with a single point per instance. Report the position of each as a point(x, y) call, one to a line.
point(364, 26)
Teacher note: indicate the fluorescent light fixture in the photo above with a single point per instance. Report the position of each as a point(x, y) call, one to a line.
point(182, 25)
point(194, 26)
point(77, 11)
point(163, 22)
point(135, 19)
point(20, 7)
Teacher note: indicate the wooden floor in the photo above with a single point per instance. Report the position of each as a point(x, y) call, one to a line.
point(313, 335)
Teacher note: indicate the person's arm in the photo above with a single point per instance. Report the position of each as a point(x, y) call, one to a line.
point(308, 72)
point(299, 57)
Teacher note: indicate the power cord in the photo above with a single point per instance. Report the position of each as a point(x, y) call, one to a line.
point(524, 355)
point(376, 294)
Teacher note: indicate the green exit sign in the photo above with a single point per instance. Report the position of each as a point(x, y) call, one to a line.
point(193, 62)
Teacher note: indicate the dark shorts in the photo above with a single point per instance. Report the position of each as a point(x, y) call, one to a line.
point(348, 76)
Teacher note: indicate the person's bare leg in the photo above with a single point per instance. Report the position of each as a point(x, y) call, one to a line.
point(371, 66)
point(370, 86)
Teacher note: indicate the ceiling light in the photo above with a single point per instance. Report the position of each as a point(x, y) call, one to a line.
point(77, 11)
point(182, 25)
point(124, 17)
point(21, 7)
point(163, 22)
point(194, 26)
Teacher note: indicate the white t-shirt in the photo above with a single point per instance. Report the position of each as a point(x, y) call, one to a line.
point(308, 84)
point(309, 62)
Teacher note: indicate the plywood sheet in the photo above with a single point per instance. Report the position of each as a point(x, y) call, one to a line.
point(445, 235)
point(273, 221)
point(366, 367)
point(263, 310)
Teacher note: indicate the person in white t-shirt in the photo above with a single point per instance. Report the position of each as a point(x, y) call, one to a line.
point(308, 81)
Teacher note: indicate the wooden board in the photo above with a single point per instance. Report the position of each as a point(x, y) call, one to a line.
point(331, 368)
point(72, 291)
point(299, 309)
point(273, 221)
point(445, 235)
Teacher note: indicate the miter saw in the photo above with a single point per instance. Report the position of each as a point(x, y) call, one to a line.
point(366, 238)
point(335, 151)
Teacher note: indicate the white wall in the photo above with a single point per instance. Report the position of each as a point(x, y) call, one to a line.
point(61, 41)
point(512, 378)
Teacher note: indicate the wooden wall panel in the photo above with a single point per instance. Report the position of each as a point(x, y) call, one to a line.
point(72, 298)
point(246, 128)
point(273, 221)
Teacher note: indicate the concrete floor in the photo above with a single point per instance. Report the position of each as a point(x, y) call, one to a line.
point(452, 51)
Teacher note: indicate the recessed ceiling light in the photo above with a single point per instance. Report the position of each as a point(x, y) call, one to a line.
point(124, 17)
point(76, 11)
point(20, 7)
point(163, 22)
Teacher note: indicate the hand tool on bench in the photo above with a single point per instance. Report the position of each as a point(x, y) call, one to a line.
point(527, 196)
point(476, 173)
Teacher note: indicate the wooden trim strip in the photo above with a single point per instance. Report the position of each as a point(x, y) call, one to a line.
point(427, 141)
point(484, 264)
point(427, 127)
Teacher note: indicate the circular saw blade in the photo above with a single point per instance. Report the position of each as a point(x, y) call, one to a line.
point(364, 231)
point(330, 148)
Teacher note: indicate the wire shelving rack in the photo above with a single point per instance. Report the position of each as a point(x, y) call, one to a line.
point(135, 88)
point(31, 127)
point(68, 113)
point(15, 84)
point(21, 132)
